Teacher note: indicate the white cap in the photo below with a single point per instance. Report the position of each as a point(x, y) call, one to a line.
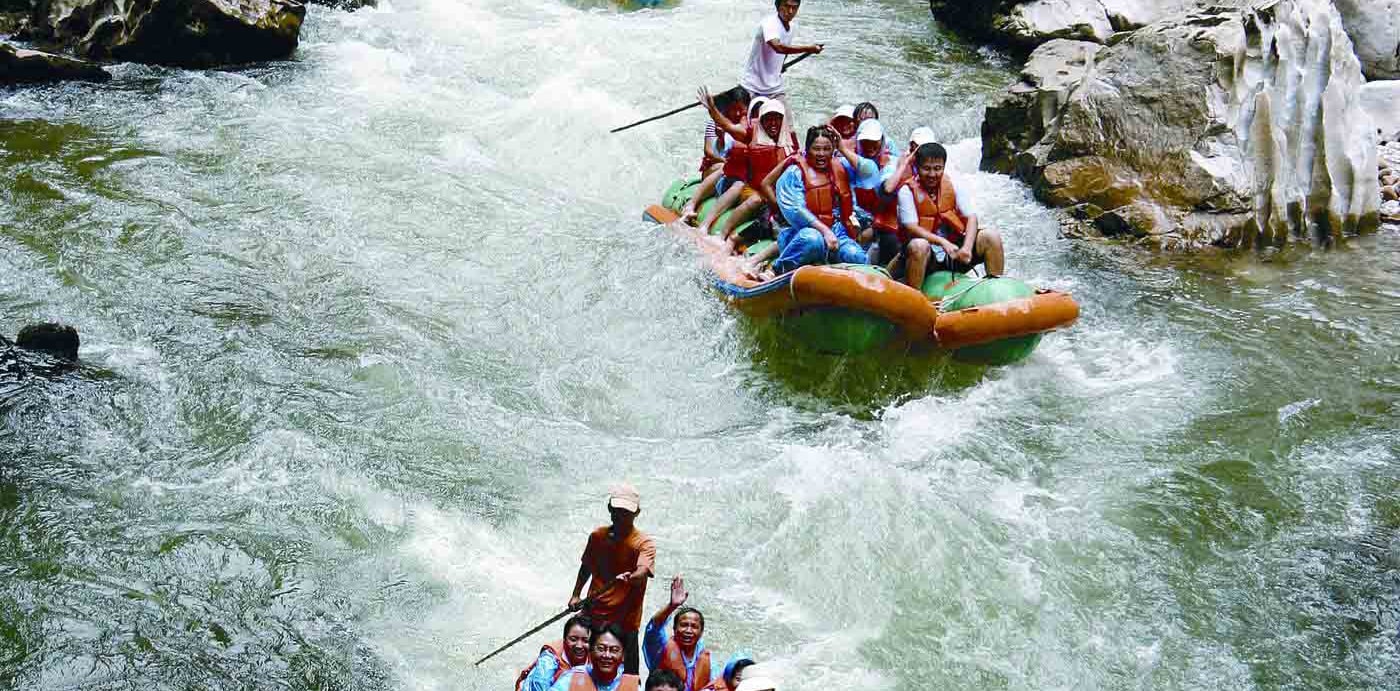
point(757, 679)
point(757, 102)
point(772, 106)
point(921, 136)
point(870, 131)
point(845, 112)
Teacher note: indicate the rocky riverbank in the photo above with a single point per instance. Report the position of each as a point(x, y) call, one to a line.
point(1187, 126)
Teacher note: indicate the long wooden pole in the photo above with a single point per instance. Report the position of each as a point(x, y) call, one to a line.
point(696, 104)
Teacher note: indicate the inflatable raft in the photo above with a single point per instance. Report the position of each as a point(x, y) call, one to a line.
point(854, 308)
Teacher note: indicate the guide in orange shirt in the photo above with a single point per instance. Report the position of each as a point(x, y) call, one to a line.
point(622, 557)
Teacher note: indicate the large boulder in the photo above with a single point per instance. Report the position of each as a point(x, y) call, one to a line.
point(189, 33)
point(1382, 102)
point(1374, 27)
point(1026, 24)
point(1226, 127)
point(19, 66)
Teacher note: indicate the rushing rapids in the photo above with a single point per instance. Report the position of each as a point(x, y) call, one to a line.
point(345, 413)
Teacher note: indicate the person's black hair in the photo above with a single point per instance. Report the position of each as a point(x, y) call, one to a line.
point(820, 131)
point(741, 95)
point(579, 620)
point(664, 677)
point(737, 668)
point(613, 630)
point(930, 151)
point(754, 107)
point(864, 106)
point(690, 610)
point(779, 3)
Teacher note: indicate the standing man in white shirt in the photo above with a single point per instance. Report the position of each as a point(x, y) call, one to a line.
point(763, 75)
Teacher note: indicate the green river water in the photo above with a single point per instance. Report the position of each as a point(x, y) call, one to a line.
point(367, 335)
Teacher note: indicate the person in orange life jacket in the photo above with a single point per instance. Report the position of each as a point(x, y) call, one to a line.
point(604, 670)
point(940, 224)
point(844, 122)
point(814, 198)
point(733, 673)
point(763, 153)
point(664, 680)
point(620, 556)
point(557, 657)
point(737, 134)
point(875, 176)
point(683, 653)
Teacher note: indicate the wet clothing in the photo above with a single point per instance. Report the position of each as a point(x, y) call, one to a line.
point(581, 679)
point(800, 243)
point(763, 73)
point(548, 667)
point(909, 209)
point(662, 652)
point(605, 558)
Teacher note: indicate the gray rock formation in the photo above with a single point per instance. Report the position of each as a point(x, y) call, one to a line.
point(1374, 27)
point(19, 66)
point(1226, 127)
point(1025, 24)
point(1382, 102)
point(190, 33)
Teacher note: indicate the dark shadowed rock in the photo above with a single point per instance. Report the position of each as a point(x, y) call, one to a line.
point(189, 33)
point(19, 66)
point(1025, 24)
point(347, 5)
point(1227, 127)
point(58, 340)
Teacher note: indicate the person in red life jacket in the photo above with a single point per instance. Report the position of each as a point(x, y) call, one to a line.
point(737, 133)
point(616, 563)
point(733, 673)
point(557, 657)
point(604, 670)
point(664, 680)
point(844, 122)
point(734, 104)
point(814, 197)
point(938, 219)
point(762, 153)
point(875, 176)
point(683, 652)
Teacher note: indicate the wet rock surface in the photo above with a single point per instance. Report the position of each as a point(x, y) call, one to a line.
point(1226, 127)
point(188, 33)
point(1374, 28)
point(20, 66)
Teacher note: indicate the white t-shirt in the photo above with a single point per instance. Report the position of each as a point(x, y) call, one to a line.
point(763, 75)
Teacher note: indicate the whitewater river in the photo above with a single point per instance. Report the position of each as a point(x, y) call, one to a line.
point(367, 335)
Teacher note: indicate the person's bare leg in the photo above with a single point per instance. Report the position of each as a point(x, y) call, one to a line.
point(703, 192)
point(989, 246)
point(756, 270)
point(747, 210)
point(725, 202)
point(916, 262)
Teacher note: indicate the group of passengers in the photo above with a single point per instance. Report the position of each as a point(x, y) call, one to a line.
point(599, 652)
point(845, 194)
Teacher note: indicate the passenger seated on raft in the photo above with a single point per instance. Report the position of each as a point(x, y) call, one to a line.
point(735, 158)
point(604, 670)
point(875, 181)
point(719, 145)
point(919, 137)
point(682, 653)
point(844, 122)
point(866, 110)
point(814, 198)
point(938, 221)
point(664, 680)
point(760, 155)
point(558, 657)
point(733, 673)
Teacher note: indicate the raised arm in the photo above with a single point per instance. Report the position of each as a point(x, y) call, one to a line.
point(738, 133)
